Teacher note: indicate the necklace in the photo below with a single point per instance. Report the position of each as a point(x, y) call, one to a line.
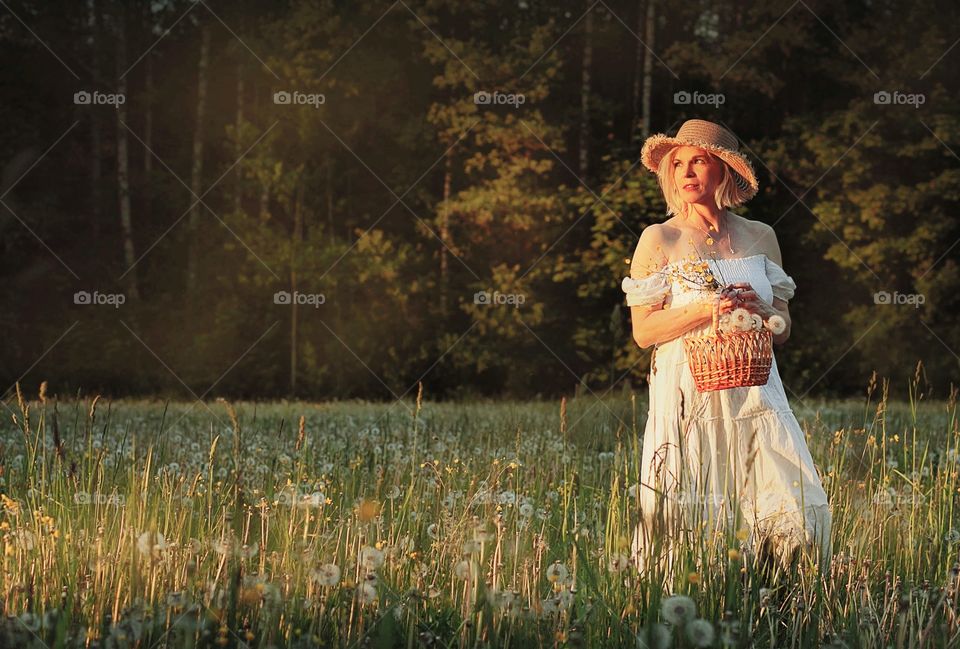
point(710, 240)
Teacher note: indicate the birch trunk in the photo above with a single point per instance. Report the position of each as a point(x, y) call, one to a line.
point(123, 161)
point(196, 176)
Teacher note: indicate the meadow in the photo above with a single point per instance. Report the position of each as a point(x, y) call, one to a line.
point(420, 524)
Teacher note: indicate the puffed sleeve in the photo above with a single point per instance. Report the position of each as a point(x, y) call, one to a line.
point(783, 285)
point(647, 291)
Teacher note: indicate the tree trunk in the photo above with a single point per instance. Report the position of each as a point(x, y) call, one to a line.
point(197, 171)
point(96, 138)
point(238, 149)
point(650, 37)
point(148, 139)
point(585, 96)
point(295, 250)
point(637, 74)
point(329, 182)
point(123, 160)
point(264, 203)
point(445, 235)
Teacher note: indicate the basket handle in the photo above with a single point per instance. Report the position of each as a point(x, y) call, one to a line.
point(716, 316)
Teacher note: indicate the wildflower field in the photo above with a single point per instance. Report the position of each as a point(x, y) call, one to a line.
point(420, 524)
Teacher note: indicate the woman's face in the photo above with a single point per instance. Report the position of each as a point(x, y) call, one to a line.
point(696, 175)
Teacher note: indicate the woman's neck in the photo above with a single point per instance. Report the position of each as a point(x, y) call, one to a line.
point(708, 218)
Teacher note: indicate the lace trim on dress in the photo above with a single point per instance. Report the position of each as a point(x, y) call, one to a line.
point(647, 291)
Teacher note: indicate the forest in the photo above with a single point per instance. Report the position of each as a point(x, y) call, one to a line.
point(325, 200)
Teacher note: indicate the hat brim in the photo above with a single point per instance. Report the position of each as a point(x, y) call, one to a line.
point(658, 145)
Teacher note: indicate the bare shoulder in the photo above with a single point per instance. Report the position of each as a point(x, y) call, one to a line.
point(761, 236)
point(669, 232)
point(648, 256)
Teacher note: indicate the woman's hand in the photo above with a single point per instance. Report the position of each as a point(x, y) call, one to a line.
point(726, 301)
point(743, 296)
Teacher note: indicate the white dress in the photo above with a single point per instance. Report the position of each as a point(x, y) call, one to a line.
point(695, 479)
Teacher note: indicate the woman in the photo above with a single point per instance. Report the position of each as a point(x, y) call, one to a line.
point(731, 460)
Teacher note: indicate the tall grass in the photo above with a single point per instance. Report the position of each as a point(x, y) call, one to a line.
point(149, 524)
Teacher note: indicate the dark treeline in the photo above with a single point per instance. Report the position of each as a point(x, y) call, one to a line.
point(174, 171)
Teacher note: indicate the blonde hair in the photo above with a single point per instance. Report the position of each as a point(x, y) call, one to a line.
point(725, 194)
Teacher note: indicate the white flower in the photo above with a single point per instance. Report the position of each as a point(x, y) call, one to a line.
point(471, 546)
point(248, 551)
point(678, 609)
point(557, 572)
point(24, 539)
point(776, 324)
point(766, 595)
point(222, 546)
point(177, 599)
point(564, 600)
point(327, 575)
point(619, 563)
point(433, 531)
point(463, 570)
point(655, 637)
point(482, 534)
point(700, 632)
point(31, 621)
point(725, 324)
point(151, 544)
point(526, 510)
point(741, 320)
point(366, 593)
point(501, 599)
point(757, 321)
point(371, 558)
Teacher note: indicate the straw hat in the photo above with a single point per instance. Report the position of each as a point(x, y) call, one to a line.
point(709, 136)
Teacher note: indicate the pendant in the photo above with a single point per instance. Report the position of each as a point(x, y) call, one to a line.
point(709, 241)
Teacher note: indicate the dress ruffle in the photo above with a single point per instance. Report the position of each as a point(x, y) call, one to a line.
point(782, 284)
point(645, 291)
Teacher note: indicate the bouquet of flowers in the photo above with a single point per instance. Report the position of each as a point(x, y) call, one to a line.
point(742, 320)
point(695, 274)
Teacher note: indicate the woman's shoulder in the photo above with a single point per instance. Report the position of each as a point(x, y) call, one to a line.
point(760, 234)
point(750, 226)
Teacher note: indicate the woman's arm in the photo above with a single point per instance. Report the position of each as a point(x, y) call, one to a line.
point(779, 306)
point(652, 324)
point(752, 302)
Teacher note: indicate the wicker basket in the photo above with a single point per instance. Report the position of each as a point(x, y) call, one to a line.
point(720, 360)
